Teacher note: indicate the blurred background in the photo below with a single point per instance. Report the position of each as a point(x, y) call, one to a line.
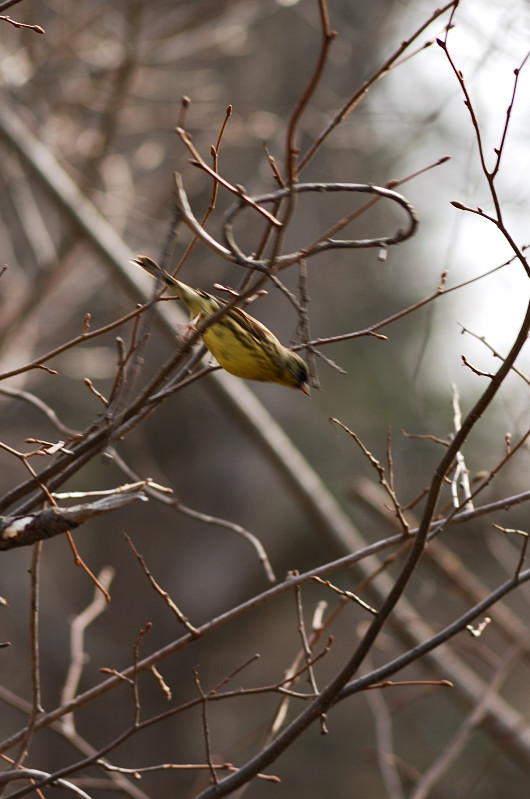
point(101, 90)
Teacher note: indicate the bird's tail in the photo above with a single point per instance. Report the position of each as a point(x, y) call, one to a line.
point(154, 269)
point(198, 302)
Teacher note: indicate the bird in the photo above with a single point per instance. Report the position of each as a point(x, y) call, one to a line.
point(240, 344)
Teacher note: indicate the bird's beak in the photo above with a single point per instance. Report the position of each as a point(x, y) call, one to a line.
point(306, 389)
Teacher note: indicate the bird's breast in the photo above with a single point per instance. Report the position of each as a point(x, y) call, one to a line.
point(237, 352)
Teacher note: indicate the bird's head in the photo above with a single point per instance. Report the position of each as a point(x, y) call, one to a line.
point(296, 374)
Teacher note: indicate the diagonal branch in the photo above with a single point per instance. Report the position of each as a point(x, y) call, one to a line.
point(21, 531)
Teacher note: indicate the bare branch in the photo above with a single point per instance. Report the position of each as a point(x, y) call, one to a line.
point(21, 531)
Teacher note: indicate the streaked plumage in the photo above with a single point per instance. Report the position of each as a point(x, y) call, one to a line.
point(238, 342)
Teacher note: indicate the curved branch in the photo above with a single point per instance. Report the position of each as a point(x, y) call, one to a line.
point(35, 774)
point(326, 243)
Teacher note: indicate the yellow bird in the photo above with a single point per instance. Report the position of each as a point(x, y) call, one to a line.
point(238, 342)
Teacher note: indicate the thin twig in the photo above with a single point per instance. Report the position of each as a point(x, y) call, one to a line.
point(461, 473)
point(78, 656)
point(387, 485)
point(36, 706)
point(354, 101)
point(38, 363)
point(165, 596)
point(307, 651)
point(385, 742)
point(205, 726)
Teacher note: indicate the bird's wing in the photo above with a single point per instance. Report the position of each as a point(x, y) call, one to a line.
point(259, 332)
